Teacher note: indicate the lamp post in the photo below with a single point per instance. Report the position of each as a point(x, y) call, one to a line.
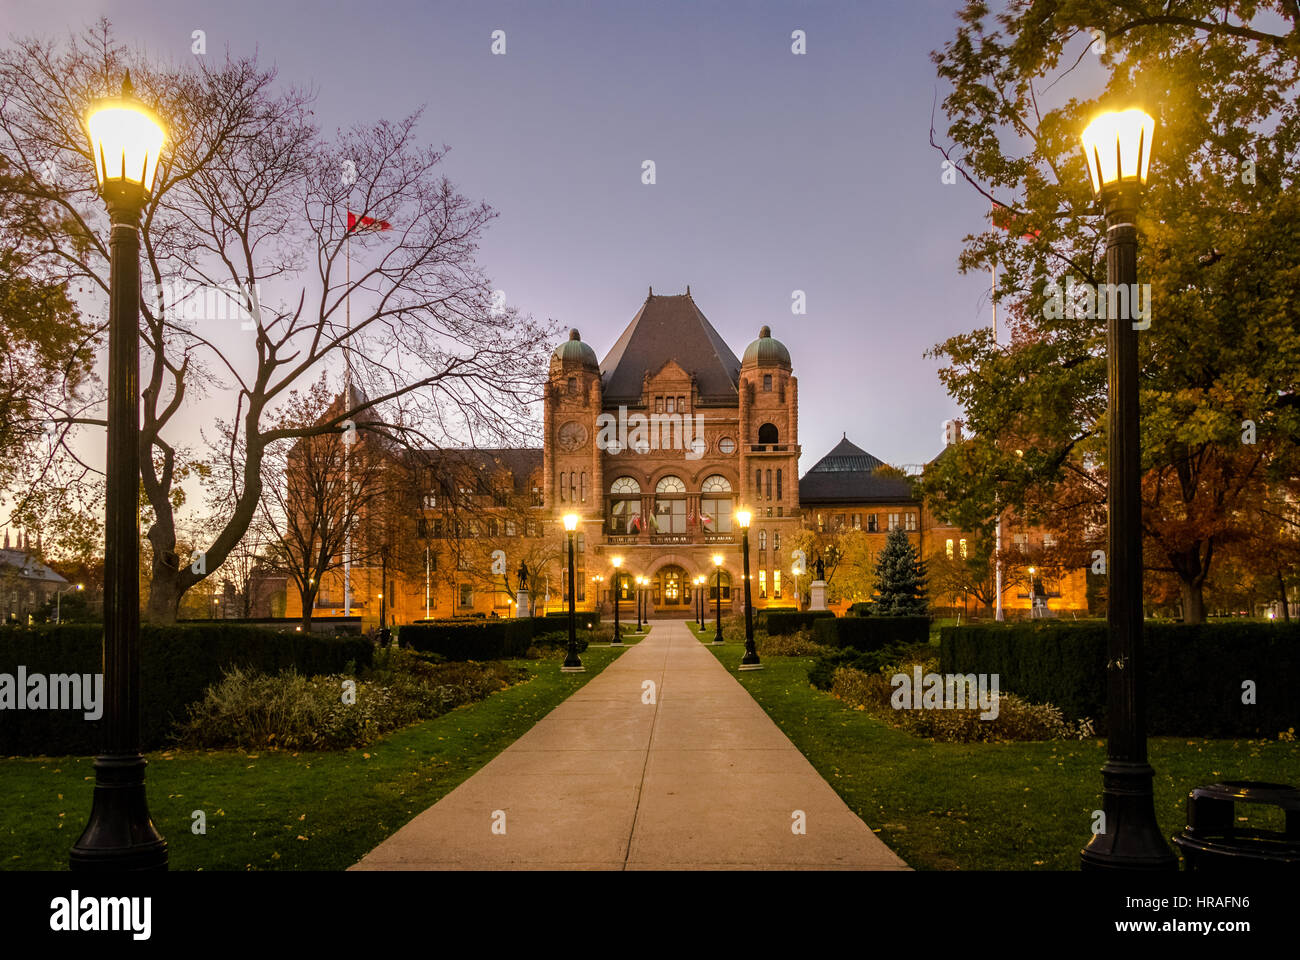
point(618, 588)
point(572, 663)
point(717, 617)
point(639, 581)
point(1118, 149)
point(750, 660)
point(699, 602)
point(58, 602)
point(126, 138)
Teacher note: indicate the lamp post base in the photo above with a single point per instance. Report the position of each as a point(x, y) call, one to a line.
point(577, 669)
point(120, 834)
point(1132, 841)
point(750, 666)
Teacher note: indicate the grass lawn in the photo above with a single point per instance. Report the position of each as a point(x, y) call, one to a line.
point(1006, 806)
point(276, 810)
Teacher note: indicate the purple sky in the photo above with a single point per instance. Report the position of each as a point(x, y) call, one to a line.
point(775, 172)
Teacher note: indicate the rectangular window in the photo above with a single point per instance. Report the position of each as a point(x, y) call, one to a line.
point(762, 584)
point(672, 405)
point(963, 549)
point(893, 521)
point(780, 511)
point(582, 487)
point(466, 595)
point(437, 528)
point(422, 528)
point(767, 383)
point(582, 543)
point(821, 524)
point(778, 484)
point(857, 521)
point(776, 540)
point(949, 548)
point(562, 487)
point(530, 528)
point(872, 526)
point(911, 520)
point(769, 484)
point(1021, 541)
point(1049, 541)
point(839, 522)
point(776, 584)
point(659, 404)
point(758, 483)
point(510, 528)
point(681, 404)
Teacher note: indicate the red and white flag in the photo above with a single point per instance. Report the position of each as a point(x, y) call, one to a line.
point(366, 223)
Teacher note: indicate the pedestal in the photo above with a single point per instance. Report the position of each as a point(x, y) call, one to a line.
point(521, 603)
point(818, 595)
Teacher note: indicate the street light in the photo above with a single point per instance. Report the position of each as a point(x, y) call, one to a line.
point(572, 663)
point(618, 588)
point(58, 602)
point(640, 581)
point(717, 619)
point(126, 138)
point(699, 582)
point(1118, 149)
point(750, 660)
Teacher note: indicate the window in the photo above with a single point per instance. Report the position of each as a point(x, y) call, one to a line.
point(821, 525)
point(437, 528)
point(573, 385)
point(422, 528)
point(762, 584)
point(1049, 541)
point(715, 504)
point(727, 445)
point(776, 540)
point(949, 549)
point(776, 584)
point(839, 522)
point(725, 578)
point(671, 405)
point(762, 539)
point(872, 527)
point(857, 521)
point(681, 404)
point(893, 521)
point(493, 529)
point(659, 404)
point(911, 520)
point(1021, 541)
point(778, 484)
point(573, 487)
point(670, 506)
point(537, 496)
point(780, 511)
point(963, 549)
point(582, 543)
point(430, 501)
point(767, 433)
point(767, 383)
point(769, 511)
point(758, 483)
point(769, 484)
point(466, 595)
point(582, 487)
point(562, 487)
point(510, 528)
point(530, 528)
point(625, 507)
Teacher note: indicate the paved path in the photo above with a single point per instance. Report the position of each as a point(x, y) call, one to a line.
point(701, 779)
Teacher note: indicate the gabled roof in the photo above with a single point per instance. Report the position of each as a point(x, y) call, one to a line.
point(670, 328)
point(848, 474)
point(28, 567)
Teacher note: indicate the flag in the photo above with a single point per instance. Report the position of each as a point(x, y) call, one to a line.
point(1003, 219)
point(366, 223)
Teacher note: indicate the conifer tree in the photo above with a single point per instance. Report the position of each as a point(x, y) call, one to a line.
point(900, 579)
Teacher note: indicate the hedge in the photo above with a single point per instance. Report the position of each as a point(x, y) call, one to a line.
point(871, 633)
point(177, 664)
point(584, 617)
point(499, 639)
point(780, 622)
point(1194, 672)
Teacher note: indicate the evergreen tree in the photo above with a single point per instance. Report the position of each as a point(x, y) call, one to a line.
point(900, 579)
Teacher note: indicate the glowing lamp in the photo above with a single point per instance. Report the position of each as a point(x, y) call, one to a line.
point(1117, 146)
point(126, 138)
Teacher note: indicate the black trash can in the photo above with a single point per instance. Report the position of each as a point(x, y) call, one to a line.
point(1215, 842)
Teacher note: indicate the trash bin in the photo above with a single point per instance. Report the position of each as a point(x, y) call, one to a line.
point(1213, 840)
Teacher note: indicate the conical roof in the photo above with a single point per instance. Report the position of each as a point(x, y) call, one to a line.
point(848, 474)
point(670, 328)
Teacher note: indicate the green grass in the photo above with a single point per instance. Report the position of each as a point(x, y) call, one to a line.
point(273, 810)
point(1006, 806)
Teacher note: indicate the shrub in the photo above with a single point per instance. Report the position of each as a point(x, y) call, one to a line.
point(871, 633)
point(1189, 691)
point(789, 621)
point(177, 664)
point(800, 644)
point(583, 617)
point(498, 639)
point(254, 710)
point(554, 645)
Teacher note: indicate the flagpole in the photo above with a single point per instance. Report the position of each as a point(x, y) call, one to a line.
point(347, 458)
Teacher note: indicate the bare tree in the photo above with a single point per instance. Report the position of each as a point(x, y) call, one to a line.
point(367, 250)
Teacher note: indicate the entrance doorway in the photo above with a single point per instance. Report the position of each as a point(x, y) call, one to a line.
point(671, 588)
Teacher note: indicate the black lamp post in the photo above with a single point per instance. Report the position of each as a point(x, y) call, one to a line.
point(639, 581)
point(572, 663)
point(125, 140)
point(618, 588)
point(717, 616)
point(750, 660)
point(699, 602)
point(1118, 148)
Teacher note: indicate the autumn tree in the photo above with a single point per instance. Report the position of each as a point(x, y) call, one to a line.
point(1219, 249)
point(256, 214)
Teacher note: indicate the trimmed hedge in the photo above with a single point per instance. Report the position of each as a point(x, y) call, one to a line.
point(177, 664)
point(781, 622)
point(871, 633)
point(1194, 672)
point(500, 639)
point(584, 617)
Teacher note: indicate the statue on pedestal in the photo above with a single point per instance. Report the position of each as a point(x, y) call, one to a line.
point(523, 575)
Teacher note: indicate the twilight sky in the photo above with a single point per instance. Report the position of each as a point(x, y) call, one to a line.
point(775, 172)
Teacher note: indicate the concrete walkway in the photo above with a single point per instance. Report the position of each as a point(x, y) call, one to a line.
point(699, 780)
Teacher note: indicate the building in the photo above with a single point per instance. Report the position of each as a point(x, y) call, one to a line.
point(26, 584)
point(653, 448)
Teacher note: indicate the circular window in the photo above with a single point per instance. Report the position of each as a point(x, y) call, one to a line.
point(727, 445)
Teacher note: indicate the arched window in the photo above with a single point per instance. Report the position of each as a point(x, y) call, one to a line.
point(767, 433)
point(713, 586)
point(670, 506)
point(715, 504)
point(625, 507)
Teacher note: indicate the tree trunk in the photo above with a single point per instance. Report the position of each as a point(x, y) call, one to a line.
point(164, 593)
point(308, 602)
point(1281, 589)
point(1193, 602)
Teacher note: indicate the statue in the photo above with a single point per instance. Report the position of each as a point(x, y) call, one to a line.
point(523, 575)
point(821, 568)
